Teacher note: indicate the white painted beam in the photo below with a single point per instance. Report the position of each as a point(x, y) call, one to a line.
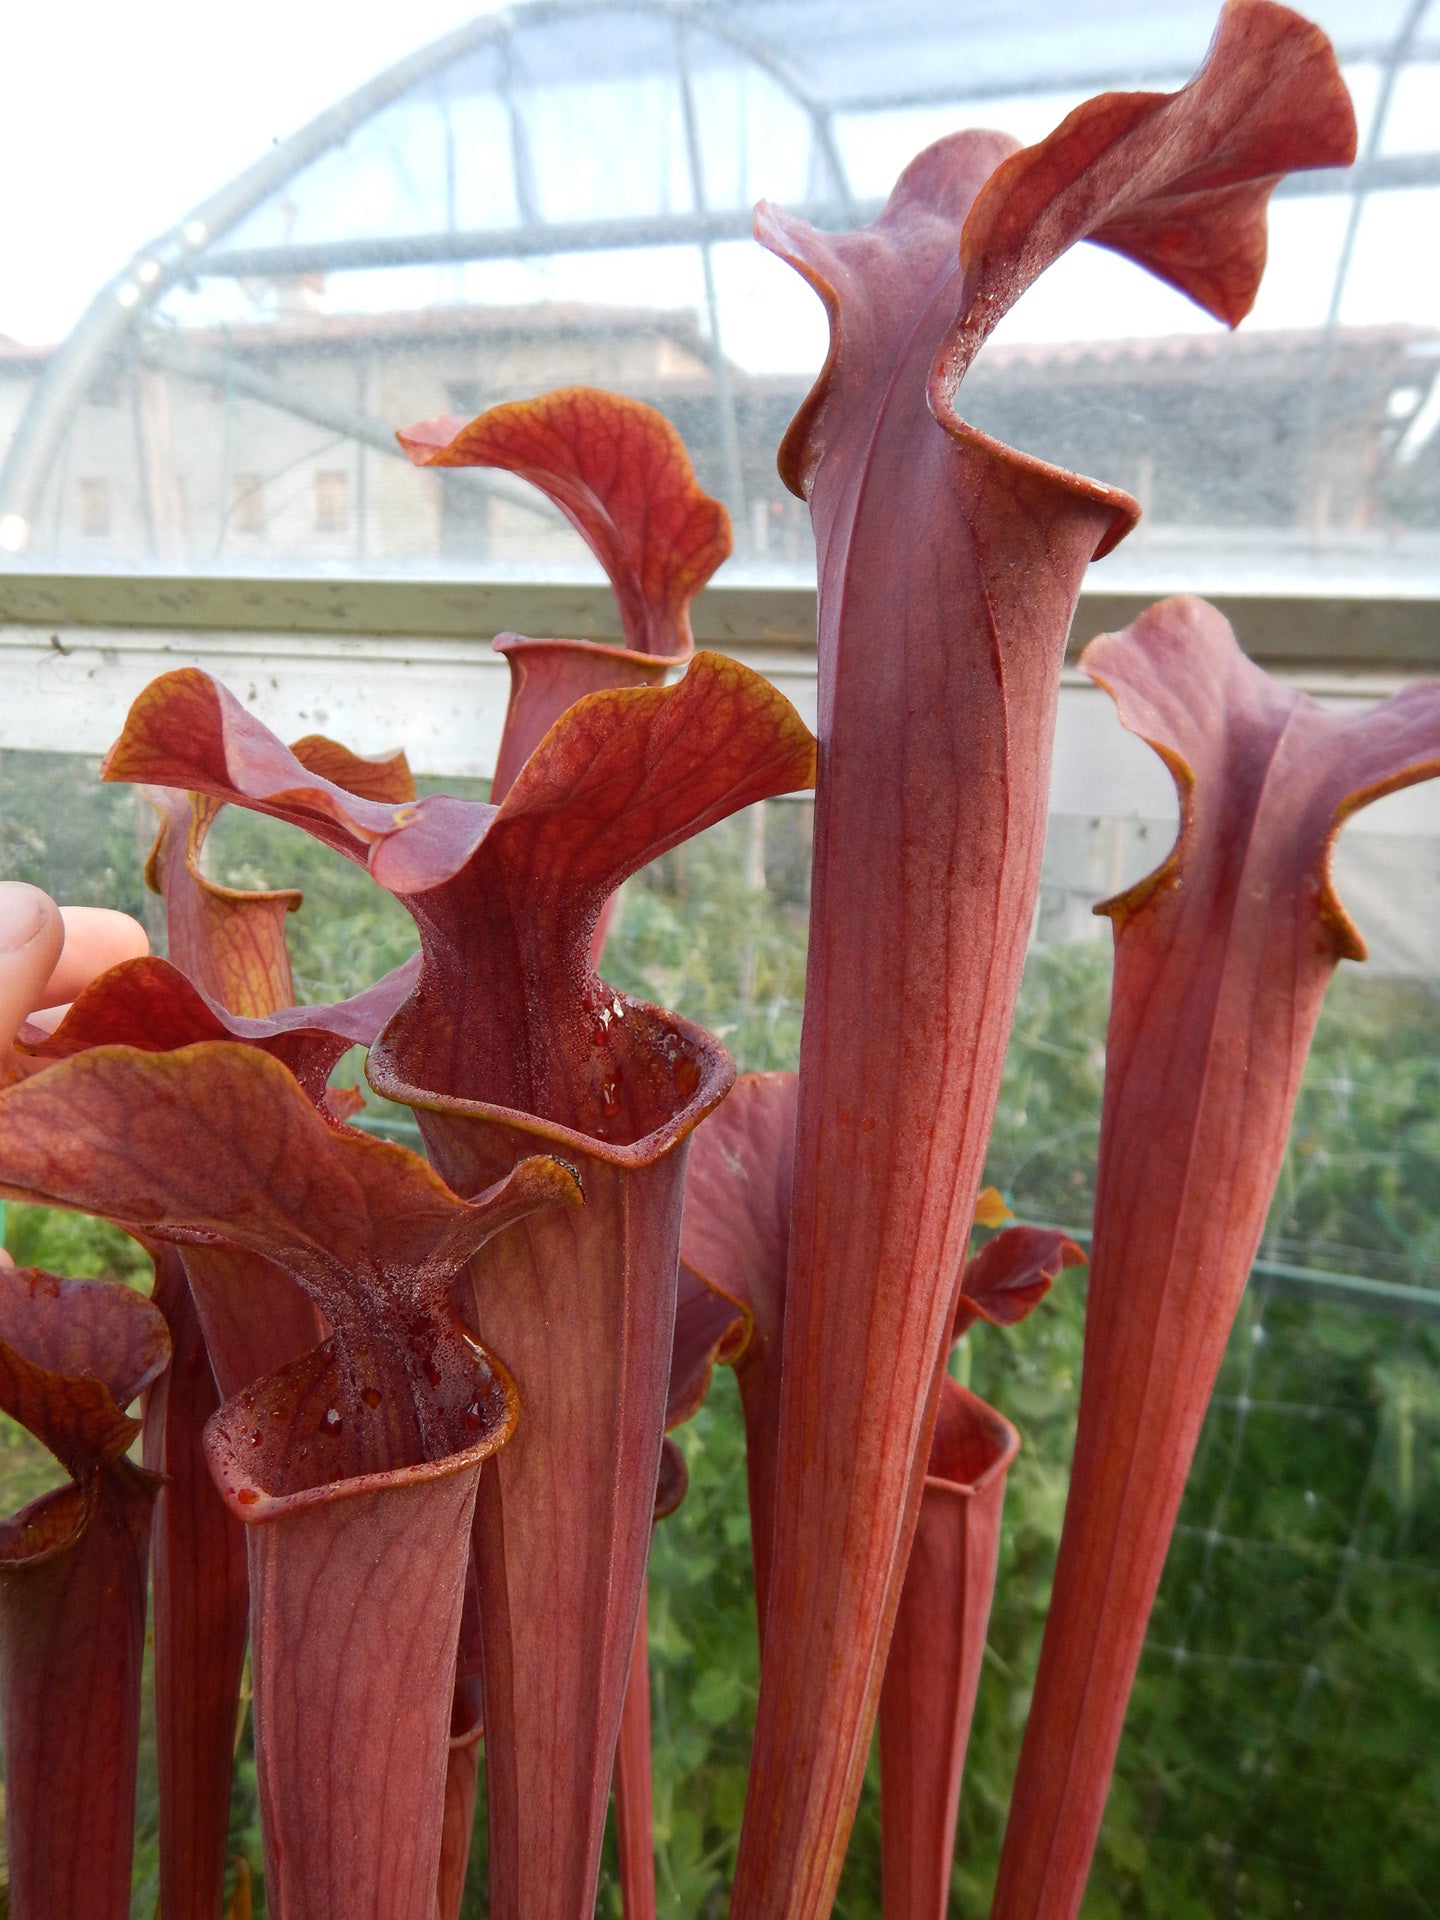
point(384, 662)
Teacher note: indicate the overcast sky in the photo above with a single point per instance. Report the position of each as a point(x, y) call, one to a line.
point(115, 118)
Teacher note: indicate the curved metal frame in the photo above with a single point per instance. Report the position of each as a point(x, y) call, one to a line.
point(181, 252)
point(176, 254)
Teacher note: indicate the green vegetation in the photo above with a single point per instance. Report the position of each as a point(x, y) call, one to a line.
point(1280, 1757)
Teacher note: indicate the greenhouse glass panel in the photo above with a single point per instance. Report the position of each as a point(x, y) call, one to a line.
point(203, 470)
point(562, 193)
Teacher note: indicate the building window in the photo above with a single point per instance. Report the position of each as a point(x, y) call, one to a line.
point(247, 503)
point(332, 501)
point(95, 506)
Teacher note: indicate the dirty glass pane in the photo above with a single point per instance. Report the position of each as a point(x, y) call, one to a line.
point(561, 194)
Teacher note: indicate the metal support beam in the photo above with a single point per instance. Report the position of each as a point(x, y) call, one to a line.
point(707, 226)
point(523, 242)
point(1390, 173)
point(1072, 80)
point(209, 367)
point(729, 431)
point(522, 164)
point(229, 372)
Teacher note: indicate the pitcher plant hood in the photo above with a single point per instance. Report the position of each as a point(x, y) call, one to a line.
point(231, 941)
point(510, 1041)
point(234, 980)
point(949, 568)
point(354, 1467)
point(620, 474)
point(1222, 957)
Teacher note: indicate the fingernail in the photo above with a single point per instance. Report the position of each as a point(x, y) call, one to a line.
point(22, 914)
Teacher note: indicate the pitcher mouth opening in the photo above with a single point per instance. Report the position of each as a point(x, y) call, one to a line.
point(638, 1102)
point(242, 1481)
point(616, 650)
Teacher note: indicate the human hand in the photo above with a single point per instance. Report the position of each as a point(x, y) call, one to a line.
point(48, 954)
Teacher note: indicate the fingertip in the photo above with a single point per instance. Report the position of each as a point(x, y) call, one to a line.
point(29, 919)
point(32, 936)
point(96, 939)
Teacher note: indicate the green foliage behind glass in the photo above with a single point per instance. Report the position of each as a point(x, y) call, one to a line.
point(62, 830)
